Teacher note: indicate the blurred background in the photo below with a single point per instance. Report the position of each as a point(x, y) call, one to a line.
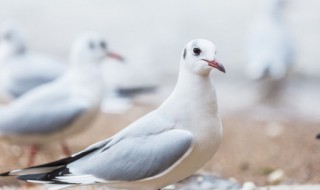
point(261, 136)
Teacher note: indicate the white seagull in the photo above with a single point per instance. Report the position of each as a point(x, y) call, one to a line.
point(270, 48)
point(60, 108)
point(20, 69)
point(161, 148)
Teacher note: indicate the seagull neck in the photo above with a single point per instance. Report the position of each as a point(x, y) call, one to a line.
point(86, 80)
point(84, 68)
point(192, 91)
point(195, 85)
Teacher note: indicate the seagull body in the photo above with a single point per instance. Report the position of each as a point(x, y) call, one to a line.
point(163, 147)
point(21, 70)
point(51, 111)
point(24, 72)
point(270, 48)
point(63, 107)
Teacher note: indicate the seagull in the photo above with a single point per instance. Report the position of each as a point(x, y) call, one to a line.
point(270, 48)
point(62, 107)
point(20, 69)
point(161, 148)
point(270, 51)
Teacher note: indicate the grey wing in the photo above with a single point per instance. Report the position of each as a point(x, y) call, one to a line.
point(147, 148)
point(41, 117)
point(22, 84)
point(132, 159)
point(31, 71)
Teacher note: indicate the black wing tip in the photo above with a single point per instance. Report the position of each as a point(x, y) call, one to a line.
point(64, 161)
point(45, 176)
point(5, 174)
point(318, 136)
point(48, 178)
point(29, 177)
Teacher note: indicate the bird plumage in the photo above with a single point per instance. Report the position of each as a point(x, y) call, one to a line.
point(162, 147)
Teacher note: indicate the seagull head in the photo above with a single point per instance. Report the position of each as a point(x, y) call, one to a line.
point(12, 39)
point(199, 57)
point(91, 48)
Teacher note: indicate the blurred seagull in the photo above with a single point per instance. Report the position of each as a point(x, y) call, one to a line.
point(21, 70)
point(163, 147)
point(270, 51)
point(63, 107)
point(123, 83)
point(270, 48)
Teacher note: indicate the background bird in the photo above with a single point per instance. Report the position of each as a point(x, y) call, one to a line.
point(20, 69)
point(163, 147)
point(62, 107)
point(270, 49)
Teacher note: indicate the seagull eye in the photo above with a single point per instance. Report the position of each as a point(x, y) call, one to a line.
point(103, 45)
point(196, 51)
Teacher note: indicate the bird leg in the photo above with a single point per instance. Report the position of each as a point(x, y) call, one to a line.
point(65, 149)
point(32, 153)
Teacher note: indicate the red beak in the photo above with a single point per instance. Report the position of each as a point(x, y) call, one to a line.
point(115, 56)
point(215, 64)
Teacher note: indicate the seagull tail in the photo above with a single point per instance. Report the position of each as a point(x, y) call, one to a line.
point(45, 169)
point(5, 174)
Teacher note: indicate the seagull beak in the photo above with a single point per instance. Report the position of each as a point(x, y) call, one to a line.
point(115, 56)
point(215, 64)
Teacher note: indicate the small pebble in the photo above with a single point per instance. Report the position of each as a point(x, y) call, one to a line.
point(207, 185)
point(234, 180)
point(200, 179)
point(274, 129)
point(169, 187)
point(276, 177)
point(16, 150)
point(249, 185)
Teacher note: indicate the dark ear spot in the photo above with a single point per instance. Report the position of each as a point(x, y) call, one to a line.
point(184, 53)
